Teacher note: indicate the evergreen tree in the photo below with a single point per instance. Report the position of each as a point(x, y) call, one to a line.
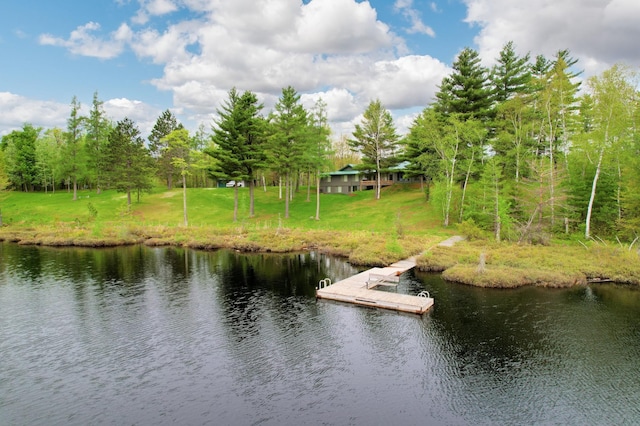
point(420, 149)
point(178, 143)
point(559, 105)
point(466, 92)
point(511, 74)
point(289, 137)
point(130, 163)
point(511, 80)
point(321, 146)
point(73, 150)
point(97, 131)
point(165, 124)
point(375, 138)
point(239, 138)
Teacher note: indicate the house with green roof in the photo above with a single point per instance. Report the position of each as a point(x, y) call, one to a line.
point(349, 179)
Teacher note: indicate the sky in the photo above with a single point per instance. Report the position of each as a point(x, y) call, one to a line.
point(145, 56)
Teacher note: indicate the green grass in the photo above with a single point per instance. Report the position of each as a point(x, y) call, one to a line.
point(365, 230)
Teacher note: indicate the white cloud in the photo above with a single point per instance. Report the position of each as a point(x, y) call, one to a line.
point(404, 122)
point(153, 8)
point(599, 33)
point(82, 41)
point(341, 104)
point(406, 82)
point(412, 15)
point(143, 115)
point(161, 7)
point(17, 110)
point(338, 26)
point(170, 46)
point(335, 48)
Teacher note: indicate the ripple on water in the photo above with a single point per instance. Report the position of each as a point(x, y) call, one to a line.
point(168, 345)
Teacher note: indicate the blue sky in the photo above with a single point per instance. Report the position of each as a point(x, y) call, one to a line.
point(144, 56)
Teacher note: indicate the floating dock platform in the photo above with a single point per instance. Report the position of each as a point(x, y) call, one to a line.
point(360, 289)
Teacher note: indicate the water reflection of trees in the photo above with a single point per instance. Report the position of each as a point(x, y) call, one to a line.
point(268, 312)
point(488, 330)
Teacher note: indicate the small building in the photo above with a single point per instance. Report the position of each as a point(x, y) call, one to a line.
point(348, 179)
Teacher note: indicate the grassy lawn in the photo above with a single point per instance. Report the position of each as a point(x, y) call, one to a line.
point(366, 230)
point(357, 226)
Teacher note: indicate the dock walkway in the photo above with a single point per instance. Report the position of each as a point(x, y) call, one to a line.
point(359, 289)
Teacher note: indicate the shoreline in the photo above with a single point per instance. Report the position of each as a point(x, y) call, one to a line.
point(477, 263)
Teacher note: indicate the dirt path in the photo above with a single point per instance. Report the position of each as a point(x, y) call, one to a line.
point(449, 242)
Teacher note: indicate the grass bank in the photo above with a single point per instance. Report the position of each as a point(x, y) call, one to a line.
point(506, 265)
point(358, 227)
point(365, 230)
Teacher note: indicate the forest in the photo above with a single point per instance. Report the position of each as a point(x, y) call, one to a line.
point(526, 150)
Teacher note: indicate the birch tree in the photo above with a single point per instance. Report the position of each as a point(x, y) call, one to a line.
point(612, 112)
point(559, 105)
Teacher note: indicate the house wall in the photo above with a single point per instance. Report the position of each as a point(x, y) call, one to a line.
point(346, 184)
point(339, 184)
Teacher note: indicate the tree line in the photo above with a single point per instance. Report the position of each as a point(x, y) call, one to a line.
point(288, 145)
point(523, 149)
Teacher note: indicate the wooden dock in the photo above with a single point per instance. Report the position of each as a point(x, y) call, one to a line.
point(360, 289)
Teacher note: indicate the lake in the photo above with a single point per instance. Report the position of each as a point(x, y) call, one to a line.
point(138, 335)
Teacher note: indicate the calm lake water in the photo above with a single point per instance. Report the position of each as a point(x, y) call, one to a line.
point(152, 336)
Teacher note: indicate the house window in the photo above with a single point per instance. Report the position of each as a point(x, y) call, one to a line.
point(329, 179)
point(345, 178)
point(328, 190)
point(339, 190)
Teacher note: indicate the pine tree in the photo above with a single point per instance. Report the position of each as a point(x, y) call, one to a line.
point(73, 151)
point(466, 92)
point(420, 148)
point(511, 74)
point(130, 163)
point(289, 138)
point(165, 124)
point(239, 138)
point(559, 105)
point(97, 131)
point(178, 143)
point(375, 138)
point(321, 146)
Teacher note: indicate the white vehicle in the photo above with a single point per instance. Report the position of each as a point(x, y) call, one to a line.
point(232, 183)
